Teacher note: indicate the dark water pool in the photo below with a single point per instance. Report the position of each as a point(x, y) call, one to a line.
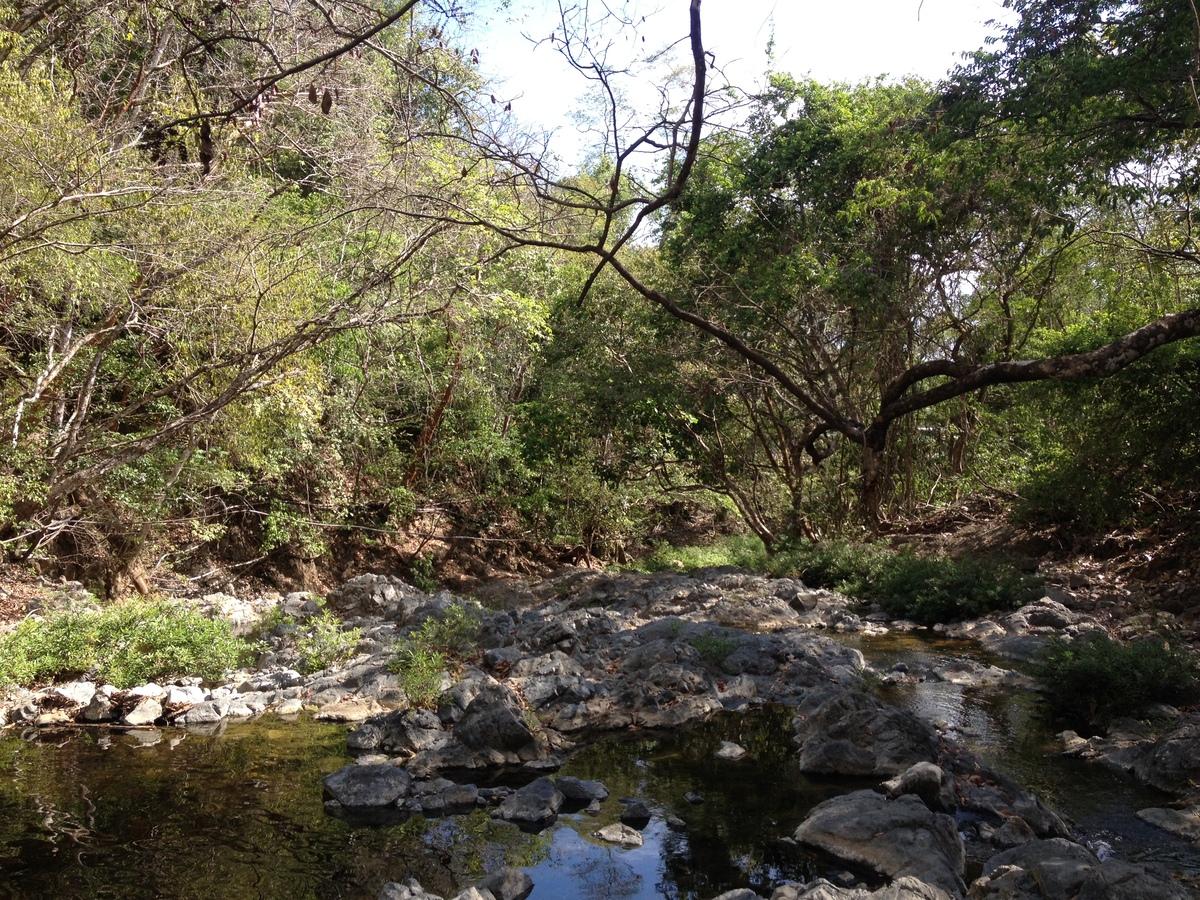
point(88, 814)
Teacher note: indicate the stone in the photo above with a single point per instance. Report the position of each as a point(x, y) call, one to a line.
point(205, 713)
point(852, 733)
point(621, 835)
point(1119, 880)
point(894, 838)
point(508, 884)
point(1184, 823)
point(77, 692)
point(347, 711)
point(368, 786)
point(536, 804)
point(150, 689)
point(185, 696)
point(100, 709)
point(494, 720)
point(146, 712)
point(580, 791)
point(738, 894)
point(635, 813)
point(1172, 763)
point(1053, 868)
point(927, 781)
point(729, 751)
point(409, 889)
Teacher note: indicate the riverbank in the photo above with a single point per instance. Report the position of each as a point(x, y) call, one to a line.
point(567, 659)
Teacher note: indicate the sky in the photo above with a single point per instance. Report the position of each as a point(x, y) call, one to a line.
point(829, 40)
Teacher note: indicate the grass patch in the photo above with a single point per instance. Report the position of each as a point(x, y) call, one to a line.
point(742, 550)
point(1096, 679)
point(439, 645)
point(714, 647)
point(125, 645)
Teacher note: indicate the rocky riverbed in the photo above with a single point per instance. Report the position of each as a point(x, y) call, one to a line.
point(572, 658)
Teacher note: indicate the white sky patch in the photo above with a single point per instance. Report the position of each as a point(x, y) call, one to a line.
point(829, 40)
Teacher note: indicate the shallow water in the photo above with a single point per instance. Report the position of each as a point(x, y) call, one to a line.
point(1006, 728)
point(89, 813)
point(174, 814)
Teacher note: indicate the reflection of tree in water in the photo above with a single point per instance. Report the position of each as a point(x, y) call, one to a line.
point(604, 876)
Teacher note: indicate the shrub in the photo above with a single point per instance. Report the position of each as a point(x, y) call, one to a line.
point(926, 589)
point(1096, 679)
point(438, 645)
point(325, 643)
point(125, 645)
point(742, 550)
point(713, 646)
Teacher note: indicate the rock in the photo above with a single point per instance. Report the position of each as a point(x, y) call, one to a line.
point(579, 791)
point(927, 781)
point(409, 889)
point(537, 804)
point(146, 712)
point(620, 834)
point(364, 738)
point(78, 692)
point(368, 786)
point(851, 733)
point(1118, 880)
point(1053, 868)
point(1172, 763)
point(149, 689)
point(185, 696)
point(635, 813)
point(473, 893)
point(738, 894)
point(494, 720)
point(100, 709)
point(442, 797)
point(1184, 823)
point(508, 884)
point(729, 751)
point(205, 713)
point(892, 837)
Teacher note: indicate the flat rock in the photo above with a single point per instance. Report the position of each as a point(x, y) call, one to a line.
point(621, 835)
point(536, 804)
point(1184, 823)
point(146, 712)
point(508, 884)
point(891, 837)
point(852, 733)
point(368, 786)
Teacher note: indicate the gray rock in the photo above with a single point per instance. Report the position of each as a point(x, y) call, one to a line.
point(1053, 868)
point(205, 713)
point(366, 737)
point(77, 692)
point(146, 712)
point(1184, 823)
point(577, 790)
point(494, 720)
point(409, 889)
point(927, 781)
point(537, 804)
point(852, 733)
point(474, 893)
point(738, 894)
point(635, 813)
point(621, 835)
point(508, 884)
point(729, 751)
point(100, 709)
point(368, 786)
point(1118, 880)
point(1172, 763)
point(894, 838)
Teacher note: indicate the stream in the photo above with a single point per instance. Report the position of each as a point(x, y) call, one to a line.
point(89, 813)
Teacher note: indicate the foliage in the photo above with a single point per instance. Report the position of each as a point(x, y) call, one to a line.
point(325, 642)
point(741, 550)
point(1095, 678)
point(438, 645)
point(126, 645)
point(926, 589)
point(714, 646)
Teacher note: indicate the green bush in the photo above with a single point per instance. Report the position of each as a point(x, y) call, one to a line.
point(125, 645)
point(743, 550)
point(438, 645)
point(926, 589)
point(1096, 679)
point(325, 643)
point(713, 646)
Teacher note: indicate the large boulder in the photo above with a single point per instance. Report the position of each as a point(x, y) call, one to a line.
point(894, 838)
point(368, 786)
point(851, 733)
point(1171, 764)
point(535, 805)
point(494, 720)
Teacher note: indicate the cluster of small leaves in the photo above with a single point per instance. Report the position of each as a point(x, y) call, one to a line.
point(325, 642)
point(439, 645)
point(124, 645)
point(925, 589)
point(1096, 679)
point(714, 647)
point(742, 550)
